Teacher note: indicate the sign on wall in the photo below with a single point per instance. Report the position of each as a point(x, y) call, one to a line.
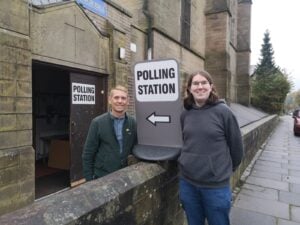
point(97, 6)
point(83, 94)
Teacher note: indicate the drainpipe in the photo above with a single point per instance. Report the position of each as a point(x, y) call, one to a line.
point(149, 33)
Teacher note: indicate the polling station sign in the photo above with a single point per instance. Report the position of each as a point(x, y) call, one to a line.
point(156, 81)
point(83, 94)
point(158, 107)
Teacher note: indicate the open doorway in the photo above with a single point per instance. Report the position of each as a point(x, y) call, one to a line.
point(51, 115)
point(64, 101)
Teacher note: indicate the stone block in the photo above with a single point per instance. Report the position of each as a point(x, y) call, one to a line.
point(7, 88)
point(23, 105)
point(24, 89)
point(6, 54)
point(8, 122)
point(27, 164)
point(24, 137)
point(9, 158)
point(9, 176)
point(17, 178)
point(23, 73)
point(7, 105)
point(23, 57)
point(14, 39)
point(7, 71)
point(14, 55)
point(24, 121)
point(143, 208)
point(14, 15)
point(9, 198)
point(8, 139)
point(27, 191)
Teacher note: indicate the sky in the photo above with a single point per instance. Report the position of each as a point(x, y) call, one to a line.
point(282, 19)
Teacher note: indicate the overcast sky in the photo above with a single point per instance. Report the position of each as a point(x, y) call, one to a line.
point(282, 19)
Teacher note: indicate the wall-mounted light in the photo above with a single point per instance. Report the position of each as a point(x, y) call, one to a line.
point(133, 47)
point(122, 53)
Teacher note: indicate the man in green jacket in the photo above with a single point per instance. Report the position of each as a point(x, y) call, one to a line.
point(110, 139)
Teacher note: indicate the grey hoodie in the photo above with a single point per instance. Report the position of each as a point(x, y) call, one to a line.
point(212, 145)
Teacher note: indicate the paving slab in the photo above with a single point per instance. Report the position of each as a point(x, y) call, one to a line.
point(295, 188)
point(295, 162)
point(291, 179)
point(271, 169)
point(291, 167)
point(290, 198)
point(274, 159)
point(295, 173)
point(264, 182)
point(245, 217)
point(260, 192)
point(295, 213)
point(264, 206)
point(269, 175)
point(293, 157)
point(273, 155)
point(286, 222)
point(275, 151)
point(267, 163)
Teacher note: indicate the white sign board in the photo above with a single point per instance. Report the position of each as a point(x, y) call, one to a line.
point(156, 81)
point(83, 94)
point(158, 107)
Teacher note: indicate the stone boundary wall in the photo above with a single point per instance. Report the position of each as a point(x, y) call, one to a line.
point(141, 194)
point(254, 136)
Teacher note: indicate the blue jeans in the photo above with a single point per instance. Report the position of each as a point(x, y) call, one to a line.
point(199, 204)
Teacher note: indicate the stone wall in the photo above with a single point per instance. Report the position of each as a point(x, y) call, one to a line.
point(126, 23)
point(141, 194)
point(144, 193)
point(244, 51)
point(117, 26)
point(16, 152)
point(254, 136)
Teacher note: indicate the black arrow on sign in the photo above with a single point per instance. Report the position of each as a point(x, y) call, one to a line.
point(153, 118)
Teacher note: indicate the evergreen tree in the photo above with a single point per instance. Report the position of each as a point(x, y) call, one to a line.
point(266, 64)
point(270, 84)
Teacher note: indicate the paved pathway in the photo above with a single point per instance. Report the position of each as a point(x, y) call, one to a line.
point(271, 192)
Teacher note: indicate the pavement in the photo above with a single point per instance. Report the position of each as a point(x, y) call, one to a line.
point(270, 193)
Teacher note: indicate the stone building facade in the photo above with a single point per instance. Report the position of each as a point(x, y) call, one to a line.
point(44, 49)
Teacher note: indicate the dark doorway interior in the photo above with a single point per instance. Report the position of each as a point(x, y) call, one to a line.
point(51, 113)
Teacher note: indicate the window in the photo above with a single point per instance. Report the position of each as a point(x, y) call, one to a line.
point(185, 22)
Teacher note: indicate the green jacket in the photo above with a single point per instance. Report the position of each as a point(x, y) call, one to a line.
point(101, 154)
